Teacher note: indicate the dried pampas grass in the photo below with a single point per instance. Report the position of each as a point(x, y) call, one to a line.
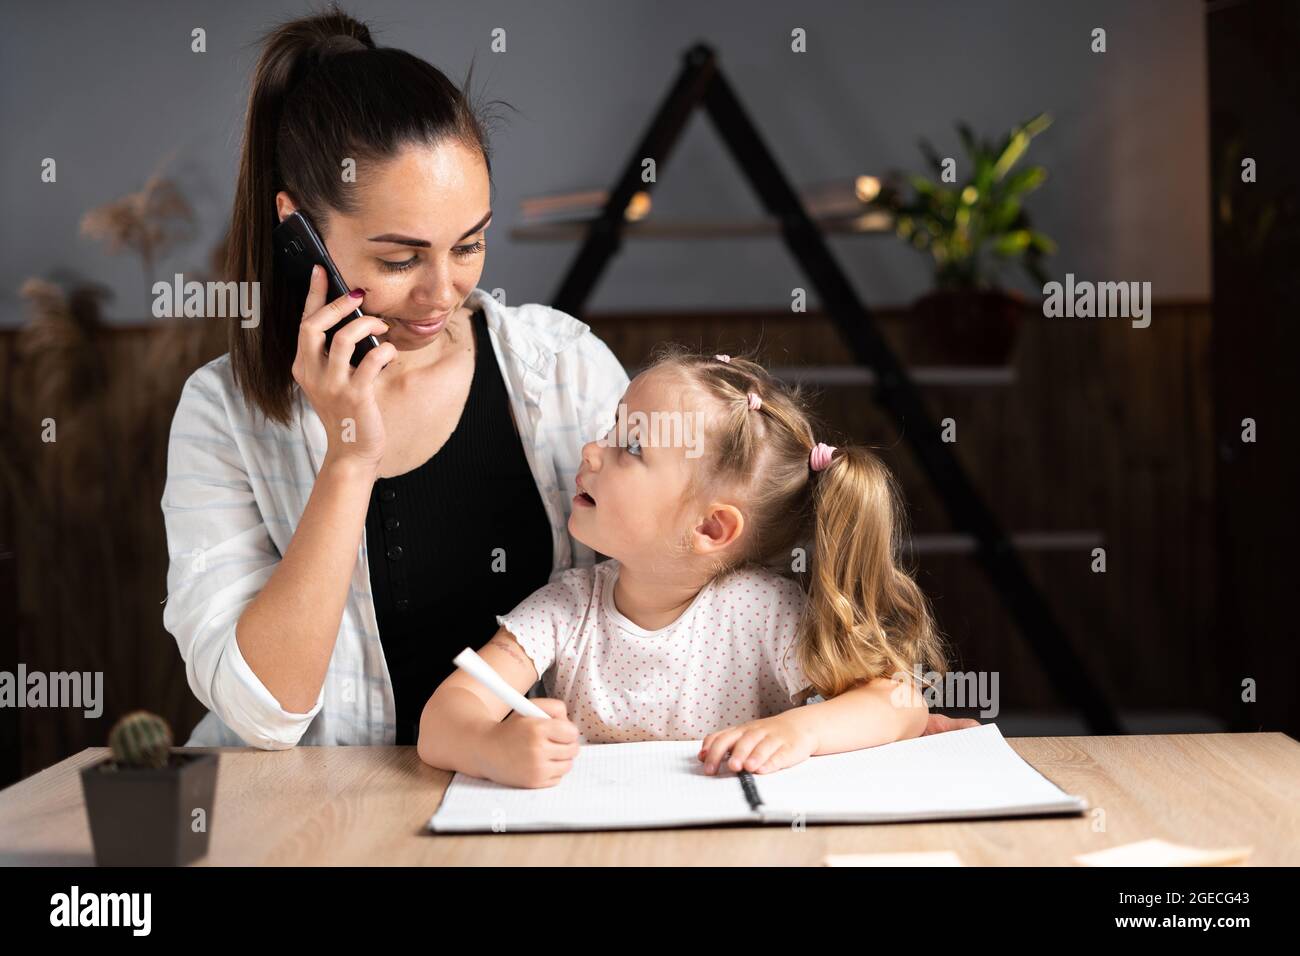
point(58, 348)
point(146, 222)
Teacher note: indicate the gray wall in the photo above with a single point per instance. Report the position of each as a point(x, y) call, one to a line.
point(109, 90)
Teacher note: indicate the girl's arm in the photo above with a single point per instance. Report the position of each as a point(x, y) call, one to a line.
point(462, 711)
point(878, 712)
point(463, 728)
point(874, 713)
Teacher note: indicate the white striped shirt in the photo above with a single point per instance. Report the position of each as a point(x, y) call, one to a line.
point(236, 489)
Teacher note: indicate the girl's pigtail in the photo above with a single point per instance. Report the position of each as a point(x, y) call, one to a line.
point(865, 614)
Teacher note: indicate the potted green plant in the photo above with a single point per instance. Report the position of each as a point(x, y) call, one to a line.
point(147, 805)
point(971, 227)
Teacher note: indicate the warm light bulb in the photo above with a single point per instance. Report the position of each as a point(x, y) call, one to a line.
point(867, 188)
point(638, 207)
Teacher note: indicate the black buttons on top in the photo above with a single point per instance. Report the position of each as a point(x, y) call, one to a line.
point(392, 546)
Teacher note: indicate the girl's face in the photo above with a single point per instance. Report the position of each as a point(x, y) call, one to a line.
point(416, 244)
point(630, 489)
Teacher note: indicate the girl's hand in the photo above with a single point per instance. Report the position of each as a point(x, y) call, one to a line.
point(938, 724)
point(533, 752)
point(760, 746)
point(342, 396)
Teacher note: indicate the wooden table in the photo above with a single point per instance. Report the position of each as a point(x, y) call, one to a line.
point(369, 805)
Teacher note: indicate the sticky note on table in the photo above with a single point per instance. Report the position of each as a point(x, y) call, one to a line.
point(927, 858)
point(1163, 853)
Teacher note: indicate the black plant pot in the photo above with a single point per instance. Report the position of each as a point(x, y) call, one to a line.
point(145, 817)
point(964, 328)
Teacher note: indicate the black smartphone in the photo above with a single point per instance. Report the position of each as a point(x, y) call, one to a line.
point(298, 247)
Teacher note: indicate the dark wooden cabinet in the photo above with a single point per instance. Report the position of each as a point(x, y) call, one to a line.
point(1253, 52)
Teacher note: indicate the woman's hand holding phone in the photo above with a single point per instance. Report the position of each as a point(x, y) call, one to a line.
point(342, 396)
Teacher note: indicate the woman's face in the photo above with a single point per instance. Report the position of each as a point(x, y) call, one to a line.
point(416, 243)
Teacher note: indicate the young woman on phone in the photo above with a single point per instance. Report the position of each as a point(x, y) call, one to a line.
point(336, 533)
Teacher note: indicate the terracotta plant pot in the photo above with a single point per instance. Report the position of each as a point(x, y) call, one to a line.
point(145, 817)
point(964, 328)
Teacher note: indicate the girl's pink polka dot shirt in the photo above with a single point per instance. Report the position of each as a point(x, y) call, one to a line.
point(728, 659)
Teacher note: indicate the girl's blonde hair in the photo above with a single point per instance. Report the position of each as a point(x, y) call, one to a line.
point(865, 616)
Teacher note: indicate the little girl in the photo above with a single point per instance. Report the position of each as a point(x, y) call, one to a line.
point(751, 567)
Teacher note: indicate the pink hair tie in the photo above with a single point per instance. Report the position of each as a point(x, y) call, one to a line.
point(755, 403)
point(723, 358)
point(820, 456)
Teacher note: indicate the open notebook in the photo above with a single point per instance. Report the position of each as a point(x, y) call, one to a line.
point(961, 773)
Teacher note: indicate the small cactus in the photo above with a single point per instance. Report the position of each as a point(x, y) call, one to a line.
point(141, 739)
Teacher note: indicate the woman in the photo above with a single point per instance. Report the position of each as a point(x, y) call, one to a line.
point(337, 534)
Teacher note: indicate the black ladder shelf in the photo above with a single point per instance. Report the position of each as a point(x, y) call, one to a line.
point(701, 83)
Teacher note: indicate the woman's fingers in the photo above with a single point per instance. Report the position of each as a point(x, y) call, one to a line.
point(329, 379)
point(345, 341)
point(315, 292)
point(327, 316)
point(370, 367)
point(311, 331)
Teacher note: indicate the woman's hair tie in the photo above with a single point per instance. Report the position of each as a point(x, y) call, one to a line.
point(339, 43)
point(723, 358)
point(820, 456)
point(755, 403)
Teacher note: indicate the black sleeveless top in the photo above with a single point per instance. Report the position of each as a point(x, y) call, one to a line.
point(455, 542)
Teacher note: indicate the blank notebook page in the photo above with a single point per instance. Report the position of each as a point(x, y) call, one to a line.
point(653, 783)
point(960, 773)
